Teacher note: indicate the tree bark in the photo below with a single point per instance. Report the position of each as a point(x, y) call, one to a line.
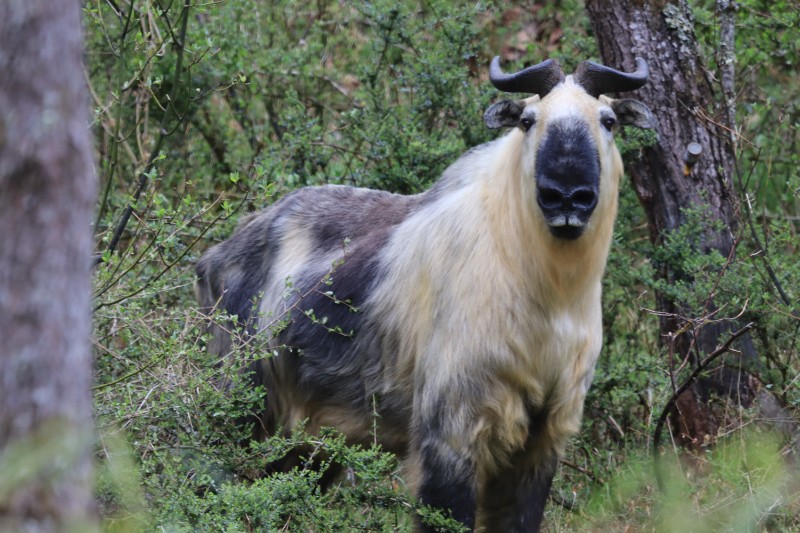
point(47, 190)
point(682, 96)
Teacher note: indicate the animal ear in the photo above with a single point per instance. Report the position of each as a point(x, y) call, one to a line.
point(633, 113)
point(503, 113)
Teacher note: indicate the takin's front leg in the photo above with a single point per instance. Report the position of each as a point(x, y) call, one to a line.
point(444, 476)
point(512, 497)
point(512, 500)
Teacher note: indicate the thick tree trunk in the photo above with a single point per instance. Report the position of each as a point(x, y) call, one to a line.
point(47, 190)
point(682, 97)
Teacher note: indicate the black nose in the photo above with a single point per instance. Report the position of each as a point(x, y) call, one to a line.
point(566, 200)
point(566, 208)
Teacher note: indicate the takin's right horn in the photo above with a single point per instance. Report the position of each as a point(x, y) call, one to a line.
point(599, 79)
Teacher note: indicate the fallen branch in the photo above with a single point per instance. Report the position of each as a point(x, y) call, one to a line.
point(670, 405)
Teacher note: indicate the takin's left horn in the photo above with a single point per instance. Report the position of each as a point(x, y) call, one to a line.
point(536, 79)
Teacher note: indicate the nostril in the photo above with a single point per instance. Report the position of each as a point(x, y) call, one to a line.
point(550, 198)
point(584, 198)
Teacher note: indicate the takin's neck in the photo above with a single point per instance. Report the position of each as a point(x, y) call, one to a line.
point(551, 269)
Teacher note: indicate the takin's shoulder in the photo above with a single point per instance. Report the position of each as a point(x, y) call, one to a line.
point(333, 212)
point(330, 214)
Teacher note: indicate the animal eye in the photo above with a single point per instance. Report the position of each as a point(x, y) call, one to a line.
point(608, 122)
point(526, 122)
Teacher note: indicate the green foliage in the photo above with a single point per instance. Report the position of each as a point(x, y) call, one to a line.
point(268, 98)
point(367, 501)
point(768, 112)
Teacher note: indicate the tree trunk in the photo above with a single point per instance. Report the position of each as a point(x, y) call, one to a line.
point(682, 96)
point(47, 190)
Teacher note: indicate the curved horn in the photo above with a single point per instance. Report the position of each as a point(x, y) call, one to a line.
point(599, 79)
point(537, 79)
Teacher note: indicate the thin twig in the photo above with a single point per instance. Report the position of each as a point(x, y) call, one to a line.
point(582, 470)
point(726, 62)
point(169, 266)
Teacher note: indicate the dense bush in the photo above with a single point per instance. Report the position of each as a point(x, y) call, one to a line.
point(205, 112)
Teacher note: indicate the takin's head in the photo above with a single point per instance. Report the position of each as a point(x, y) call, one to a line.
point(567, 135)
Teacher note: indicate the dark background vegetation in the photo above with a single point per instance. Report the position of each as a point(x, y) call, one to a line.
point(203, 112)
